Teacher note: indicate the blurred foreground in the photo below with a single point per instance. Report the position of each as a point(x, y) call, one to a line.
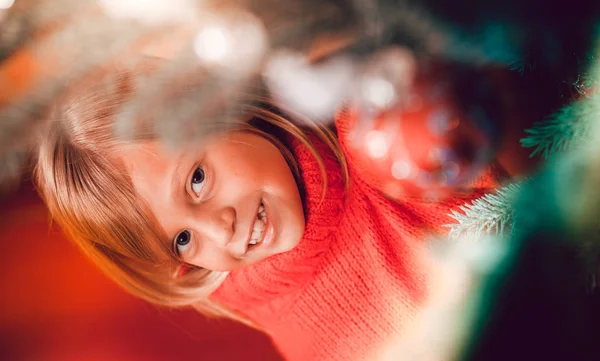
point(56, 306)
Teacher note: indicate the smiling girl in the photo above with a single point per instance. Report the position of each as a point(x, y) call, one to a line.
point(271, 222)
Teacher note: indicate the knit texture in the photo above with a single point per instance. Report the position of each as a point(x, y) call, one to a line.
point(355, 280)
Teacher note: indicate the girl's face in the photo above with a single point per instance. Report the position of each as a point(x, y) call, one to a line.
point(226, 204)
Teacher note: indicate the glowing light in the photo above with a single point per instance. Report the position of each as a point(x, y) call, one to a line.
point(150, 11)
point(232, 43)
point(401, 169)
point(312, 90)
point(396, 65)
point(213, 44)
point(378, 92)
point(377, 144)
point(6, 4)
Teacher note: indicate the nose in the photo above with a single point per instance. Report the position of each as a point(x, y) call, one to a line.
point(216, 225)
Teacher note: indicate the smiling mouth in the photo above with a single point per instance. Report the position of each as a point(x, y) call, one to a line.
point(258, 228)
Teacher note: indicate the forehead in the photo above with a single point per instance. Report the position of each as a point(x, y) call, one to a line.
point(148, 158)
point(151, 167)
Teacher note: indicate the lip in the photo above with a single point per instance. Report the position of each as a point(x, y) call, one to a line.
point(268, 233)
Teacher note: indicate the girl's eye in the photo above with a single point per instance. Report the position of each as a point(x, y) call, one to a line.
point(197, 181)
point(182, 242)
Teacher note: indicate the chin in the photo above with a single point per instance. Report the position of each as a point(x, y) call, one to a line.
point(290, 244)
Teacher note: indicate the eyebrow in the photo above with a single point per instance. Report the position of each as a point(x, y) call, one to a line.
point(178, 177)
point(176, 180)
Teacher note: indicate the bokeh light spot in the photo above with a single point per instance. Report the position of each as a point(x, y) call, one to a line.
point(6, 4)
point(401, 169)
point(213, 44)
point(377, 144)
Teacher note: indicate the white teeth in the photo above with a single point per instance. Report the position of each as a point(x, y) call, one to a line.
point(261, 212)
point(259, 225)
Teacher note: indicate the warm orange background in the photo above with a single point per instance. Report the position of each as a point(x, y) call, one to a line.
point(54, 305)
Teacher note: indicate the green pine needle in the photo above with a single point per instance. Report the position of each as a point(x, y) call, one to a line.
point(492, 214)
point(567, 129)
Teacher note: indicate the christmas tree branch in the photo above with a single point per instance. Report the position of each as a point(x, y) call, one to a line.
point(566, 129)
point(492, 214)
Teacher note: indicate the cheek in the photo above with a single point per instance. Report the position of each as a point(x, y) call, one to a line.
point(262, 164)
point(215, 260)
point(253, 163)
point(279, 181)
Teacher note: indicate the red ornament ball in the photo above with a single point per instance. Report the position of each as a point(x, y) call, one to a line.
point(425, 146)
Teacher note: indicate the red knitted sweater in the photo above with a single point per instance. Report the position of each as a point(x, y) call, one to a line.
point(353, 281)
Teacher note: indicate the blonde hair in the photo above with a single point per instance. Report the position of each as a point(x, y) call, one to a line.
point(91, 196)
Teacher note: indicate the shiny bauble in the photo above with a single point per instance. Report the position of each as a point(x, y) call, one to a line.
point(437, 137)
